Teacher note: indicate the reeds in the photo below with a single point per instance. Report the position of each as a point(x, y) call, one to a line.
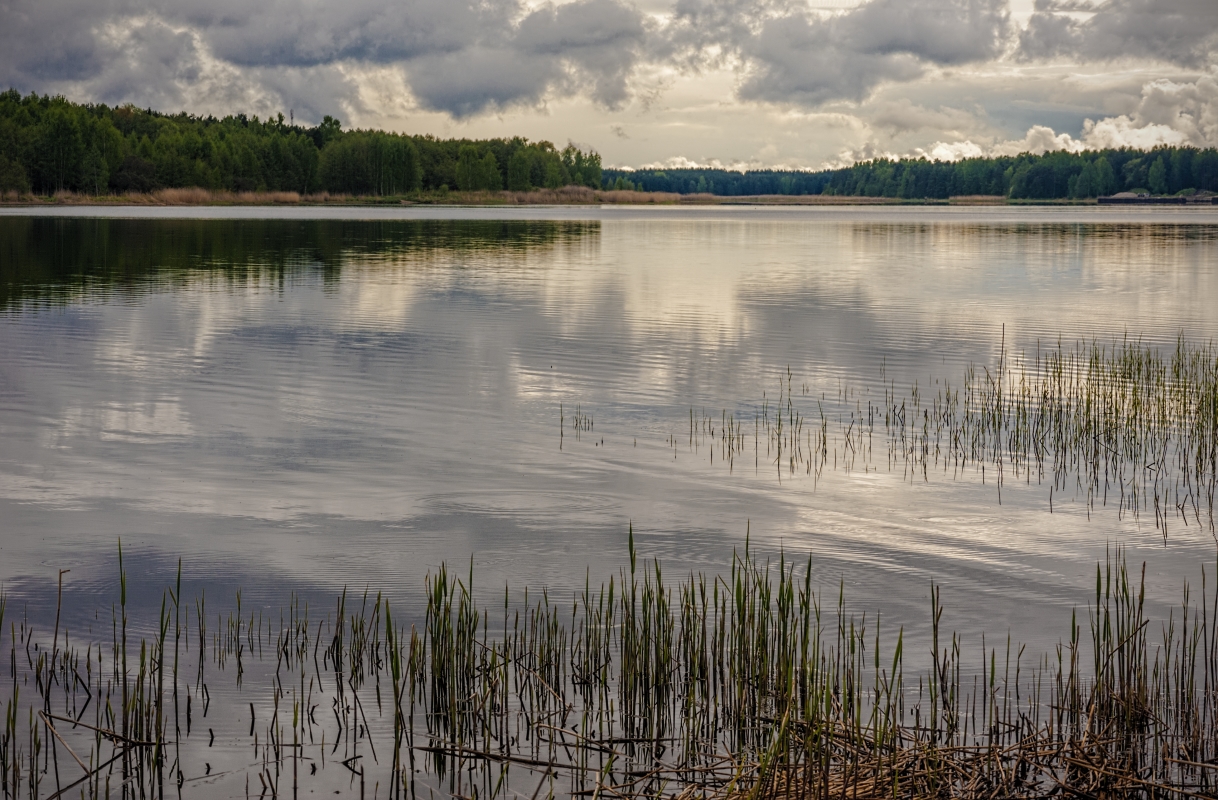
point(194, 195)
point(1122, 425)
point(187, 196)
point(746, 684)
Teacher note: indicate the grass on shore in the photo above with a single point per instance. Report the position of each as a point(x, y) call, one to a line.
point(568, 195)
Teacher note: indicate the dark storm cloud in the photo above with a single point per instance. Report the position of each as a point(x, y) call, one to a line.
point(795, 60)
point(44, 42)
point(469, 57)
point(1183, 32)
point(479, 78)
point(304, 34)
point(118, 54)
point(149, 48)
point(588, 44)
point(463, 57)
point(311, 92)
point(792, 56)
point(601, 38)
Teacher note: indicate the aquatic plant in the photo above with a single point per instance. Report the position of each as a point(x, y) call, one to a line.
point(747, 684)
point(1121, 424)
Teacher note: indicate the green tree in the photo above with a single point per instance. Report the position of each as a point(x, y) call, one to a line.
point(345, 168)
point(477, 173)
point(12, 177)
point(1105, 177)
point(1084, 184)
point(370, 163)
point(489, 176)
point(469, 169)
point(518, 170)
point(1134, 172)
point(581, 168)
point(95, 173)
point(329, 130)
point(553, 174)
point(1157, 177)
point(1180, 175)
point(61, 148)
point(1205, 170)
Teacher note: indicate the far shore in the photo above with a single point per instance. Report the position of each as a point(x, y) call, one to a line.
point(570, 195)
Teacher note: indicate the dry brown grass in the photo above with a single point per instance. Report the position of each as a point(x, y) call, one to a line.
point(806, 200)
point(567, 195)
point(263, 198)
point(978, 200)
point(627, 197)
point(193, 196)
point(183, 197)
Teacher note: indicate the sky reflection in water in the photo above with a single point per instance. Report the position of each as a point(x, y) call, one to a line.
point(302, 404)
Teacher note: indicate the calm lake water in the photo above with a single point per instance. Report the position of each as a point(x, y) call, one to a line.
point(298, 400)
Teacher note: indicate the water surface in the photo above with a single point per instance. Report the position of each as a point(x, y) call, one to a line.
point(305, 399)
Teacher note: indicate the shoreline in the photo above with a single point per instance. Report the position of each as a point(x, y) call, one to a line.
point(567, 196)
point(905, 213)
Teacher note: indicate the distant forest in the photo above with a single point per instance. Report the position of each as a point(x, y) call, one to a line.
point(48, 144)
point(1057, 175)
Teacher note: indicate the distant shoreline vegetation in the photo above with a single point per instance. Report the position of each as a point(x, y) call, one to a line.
point(51, 147)
point(1182, 171)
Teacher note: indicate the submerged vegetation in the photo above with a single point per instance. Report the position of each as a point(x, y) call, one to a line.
point(1121, 424)
point(749, 684)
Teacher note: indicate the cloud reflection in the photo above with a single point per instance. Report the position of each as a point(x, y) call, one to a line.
point(353, 402)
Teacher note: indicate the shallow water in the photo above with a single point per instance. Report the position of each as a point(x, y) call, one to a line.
point(304, 399)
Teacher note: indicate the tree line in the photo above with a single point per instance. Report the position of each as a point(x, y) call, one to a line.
point(49, 144)
point(1056, 175)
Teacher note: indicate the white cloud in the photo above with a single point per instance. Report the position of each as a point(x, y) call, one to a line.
point(1121, 131)
point(744, 83)
point(954, 151)
point(869, 151)
point(681, 162)
point(1038, 141)
point(1191, 109)
point(1170, 113)
point(1114, 132)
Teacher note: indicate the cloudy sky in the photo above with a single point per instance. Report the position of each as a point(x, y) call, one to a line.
point(736, 83)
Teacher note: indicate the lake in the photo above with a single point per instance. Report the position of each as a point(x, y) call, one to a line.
point(306, 399)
